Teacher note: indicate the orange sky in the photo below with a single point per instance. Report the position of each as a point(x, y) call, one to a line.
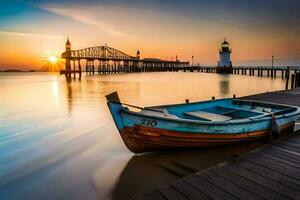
point(28, 37)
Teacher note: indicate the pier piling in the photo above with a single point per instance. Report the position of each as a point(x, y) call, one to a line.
point(293, 81)
point(297, 79)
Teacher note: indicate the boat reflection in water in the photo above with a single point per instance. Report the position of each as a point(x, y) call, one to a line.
point(147, 171)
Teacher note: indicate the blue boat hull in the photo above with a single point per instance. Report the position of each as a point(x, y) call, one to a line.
point(142, 132)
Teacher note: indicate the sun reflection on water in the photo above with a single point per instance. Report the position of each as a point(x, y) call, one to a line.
point(55, 90)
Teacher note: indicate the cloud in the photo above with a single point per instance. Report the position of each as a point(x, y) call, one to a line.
point(84, 15)
point(24, 34)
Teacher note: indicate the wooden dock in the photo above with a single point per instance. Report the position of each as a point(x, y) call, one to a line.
point(270, 172)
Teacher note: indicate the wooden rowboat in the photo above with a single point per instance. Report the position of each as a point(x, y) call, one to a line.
point(200, 124)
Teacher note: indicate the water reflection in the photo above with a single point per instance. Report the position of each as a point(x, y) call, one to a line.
point(224, 86)
point(145, 172)
point(57, 138)
point(69, 97)
point(55, 90)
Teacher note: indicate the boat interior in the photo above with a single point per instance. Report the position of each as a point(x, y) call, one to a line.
point(218, 110)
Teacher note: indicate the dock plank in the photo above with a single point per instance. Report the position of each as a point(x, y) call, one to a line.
point(295, 139)
point(292, 148)
point(288, 170)
point(290, 97)
point(293, 144)
point(279, 188)
point(284, 155)
point(288, 151)
point(169, 192)
point(247, 184)
point(188, 191)
point(207, 188)
point(268, 173)
point(225, 185)
point(282, 160)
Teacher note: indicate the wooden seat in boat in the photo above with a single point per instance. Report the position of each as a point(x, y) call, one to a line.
point(262, 109)
point(159, 113)
point(208, 116)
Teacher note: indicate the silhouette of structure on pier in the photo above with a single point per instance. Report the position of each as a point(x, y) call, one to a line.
point(224, 65)
point(105, 59)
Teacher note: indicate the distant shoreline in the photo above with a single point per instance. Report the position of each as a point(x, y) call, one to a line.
point(17, 70)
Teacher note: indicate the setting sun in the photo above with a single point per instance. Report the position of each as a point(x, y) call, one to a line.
point(53, 59)
point(51, 64)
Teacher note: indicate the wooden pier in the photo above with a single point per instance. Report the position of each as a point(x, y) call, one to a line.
point(291, 74)
point(271, 172)
point(107, 60)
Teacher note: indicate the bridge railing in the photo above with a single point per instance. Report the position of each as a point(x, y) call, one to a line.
point(100, 52)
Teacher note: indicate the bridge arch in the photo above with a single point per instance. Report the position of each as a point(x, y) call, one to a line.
point(100, 52)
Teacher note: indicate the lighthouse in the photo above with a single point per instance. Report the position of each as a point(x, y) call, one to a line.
point(224, 65)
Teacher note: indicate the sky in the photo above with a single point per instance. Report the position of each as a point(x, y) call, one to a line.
point(33, 30)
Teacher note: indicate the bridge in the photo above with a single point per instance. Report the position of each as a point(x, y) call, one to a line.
point(105, 59)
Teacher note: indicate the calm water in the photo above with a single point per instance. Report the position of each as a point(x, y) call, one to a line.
point(58, 141)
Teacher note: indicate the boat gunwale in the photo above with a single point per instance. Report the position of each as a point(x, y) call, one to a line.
point(263, 117)
point(215, 100)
